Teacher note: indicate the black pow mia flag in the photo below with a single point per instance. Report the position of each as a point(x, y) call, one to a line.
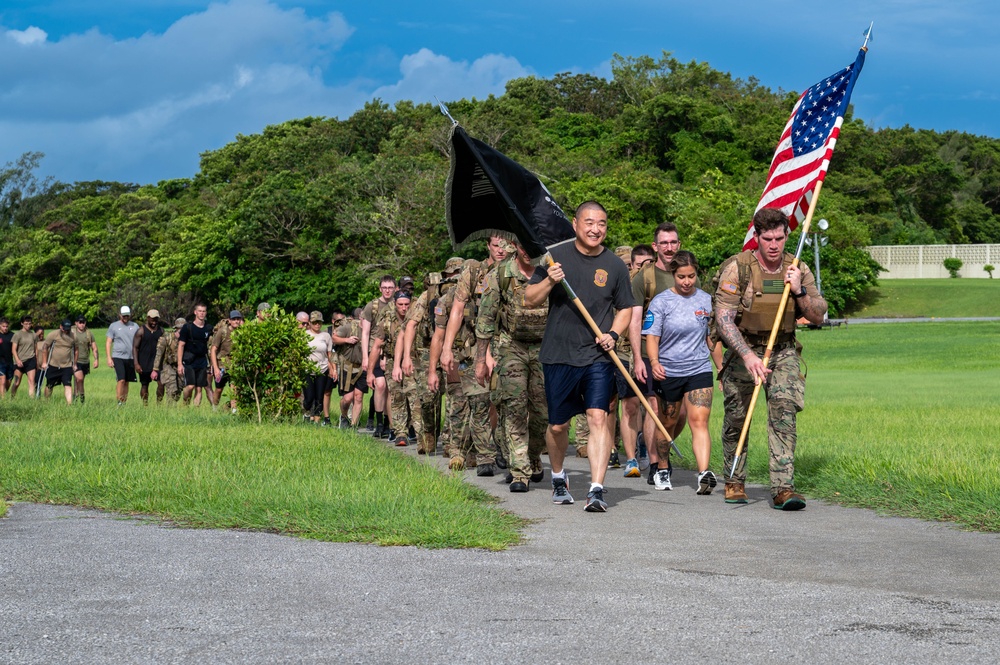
point(489, 194)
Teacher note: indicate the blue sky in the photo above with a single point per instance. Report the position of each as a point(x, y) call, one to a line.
point(135, 90)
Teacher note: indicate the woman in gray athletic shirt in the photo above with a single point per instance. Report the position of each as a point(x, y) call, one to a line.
point(677, 343)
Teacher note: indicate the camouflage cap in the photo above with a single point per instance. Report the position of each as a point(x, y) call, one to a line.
point(624, 252)
point(315, 316)
point(454, 264)
point(179, 321)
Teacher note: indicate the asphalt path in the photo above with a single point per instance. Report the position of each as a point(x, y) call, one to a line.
point(661, 577)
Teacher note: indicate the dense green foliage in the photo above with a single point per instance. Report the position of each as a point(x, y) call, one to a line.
point(312, 211)
point(269, 360)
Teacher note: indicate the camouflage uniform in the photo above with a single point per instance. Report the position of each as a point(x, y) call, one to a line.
point(468, 413)
point(785, 387)
point(427, 415)
point(469, 289)
point(516, 335)
point(165, 363)
point(401, 403)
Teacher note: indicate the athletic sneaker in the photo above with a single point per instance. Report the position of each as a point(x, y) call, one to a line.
point(595, 501)
point(369, 426)
point(325, 423)
point(706, 482)
point(643, 456)
point(345, 423)
point(560, 492)
point(661, 480)
point(632, 469)
point(614, 462)
point(651, 478)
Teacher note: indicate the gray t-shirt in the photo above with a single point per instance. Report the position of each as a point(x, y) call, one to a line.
point(681, 323)
point(121, 335)
point(602, 285)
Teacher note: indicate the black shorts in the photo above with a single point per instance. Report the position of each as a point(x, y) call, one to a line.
point(572, 390)
point(145, 378)
point(222, 382)
point(649, 388)
point(361, 383)
point(124, 369)
point(624, 389)
point(196, 376)
point(83, 368)
point(55, 375)
point(672, 389)
point(28, 365)
point(378, 372)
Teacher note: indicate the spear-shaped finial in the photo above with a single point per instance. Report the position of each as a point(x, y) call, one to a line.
point(868, 36)
point(444, 109)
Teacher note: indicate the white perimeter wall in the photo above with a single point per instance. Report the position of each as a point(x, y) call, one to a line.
point(913, 261)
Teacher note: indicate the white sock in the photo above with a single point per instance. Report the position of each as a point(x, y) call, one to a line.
point(596, 486)
point(561, 474)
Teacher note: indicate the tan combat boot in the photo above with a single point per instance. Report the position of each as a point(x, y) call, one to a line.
point(735, 493)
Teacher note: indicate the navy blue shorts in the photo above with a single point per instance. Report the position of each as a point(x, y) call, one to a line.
point(624, 389)
point(572, 390)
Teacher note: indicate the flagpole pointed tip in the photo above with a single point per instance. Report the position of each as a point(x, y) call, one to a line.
point(867, 35)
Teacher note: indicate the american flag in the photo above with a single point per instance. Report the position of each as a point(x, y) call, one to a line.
point(806, 145)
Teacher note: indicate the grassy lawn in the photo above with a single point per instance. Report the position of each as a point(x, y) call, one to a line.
point(900, 298)
point(205, 469)
point(901, 418)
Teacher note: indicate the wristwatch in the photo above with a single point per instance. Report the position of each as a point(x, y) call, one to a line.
point(802, 292)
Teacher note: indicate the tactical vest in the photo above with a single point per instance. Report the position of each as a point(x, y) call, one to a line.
point(756, 322)
point(521, 323)
point(392, 327)
point(425, 328)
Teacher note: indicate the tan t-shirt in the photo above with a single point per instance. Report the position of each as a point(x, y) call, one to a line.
point(61, 347)
point(24, 340)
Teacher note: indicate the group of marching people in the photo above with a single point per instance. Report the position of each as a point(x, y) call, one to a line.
point(518, 360)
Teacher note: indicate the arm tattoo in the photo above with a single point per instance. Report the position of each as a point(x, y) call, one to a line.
point(726, 321)
point(812, 308)
point(481, 346)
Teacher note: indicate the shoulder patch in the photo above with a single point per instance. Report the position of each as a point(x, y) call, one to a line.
point(647, 322)
point(439, 311)
point(729, 287)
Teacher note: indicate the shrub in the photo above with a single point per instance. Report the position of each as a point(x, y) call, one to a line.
point(269, 361)
point(989, 269)
point(953, 265)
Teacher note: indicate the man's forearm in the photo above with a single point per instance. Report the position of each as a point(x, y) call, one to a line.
point(725, 320)
point(455, 317)
point(635, 332)
point(535, 294)
point(813, 308)
point(408, 336)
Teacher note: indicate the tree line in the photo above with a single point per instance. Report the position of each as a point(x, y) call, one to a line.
point(311, 212)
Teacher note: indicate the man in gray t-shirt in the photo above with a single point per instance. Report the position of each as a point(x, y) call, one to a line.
point(118, 348)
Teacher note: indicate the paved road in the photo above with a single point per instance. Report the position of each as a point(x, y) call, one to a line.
point(663, 576)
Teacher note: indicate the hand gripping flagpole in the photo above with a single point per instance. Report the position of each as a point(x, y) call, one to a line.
point(804, 229)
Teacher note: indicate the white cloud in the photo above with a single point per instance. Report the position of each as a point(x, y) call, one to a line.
point(426, 75)
point(27, 37)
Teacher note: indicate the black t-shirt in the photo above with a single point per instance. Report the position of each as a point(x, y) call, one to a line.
point(147, 347)
point(601, 283)
point(6, 347)
point(196, 344)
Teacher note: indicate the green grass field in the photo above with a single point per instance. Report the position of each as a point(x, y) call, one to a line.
point(900, 298)
point(901, 418)
point(202, 468)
